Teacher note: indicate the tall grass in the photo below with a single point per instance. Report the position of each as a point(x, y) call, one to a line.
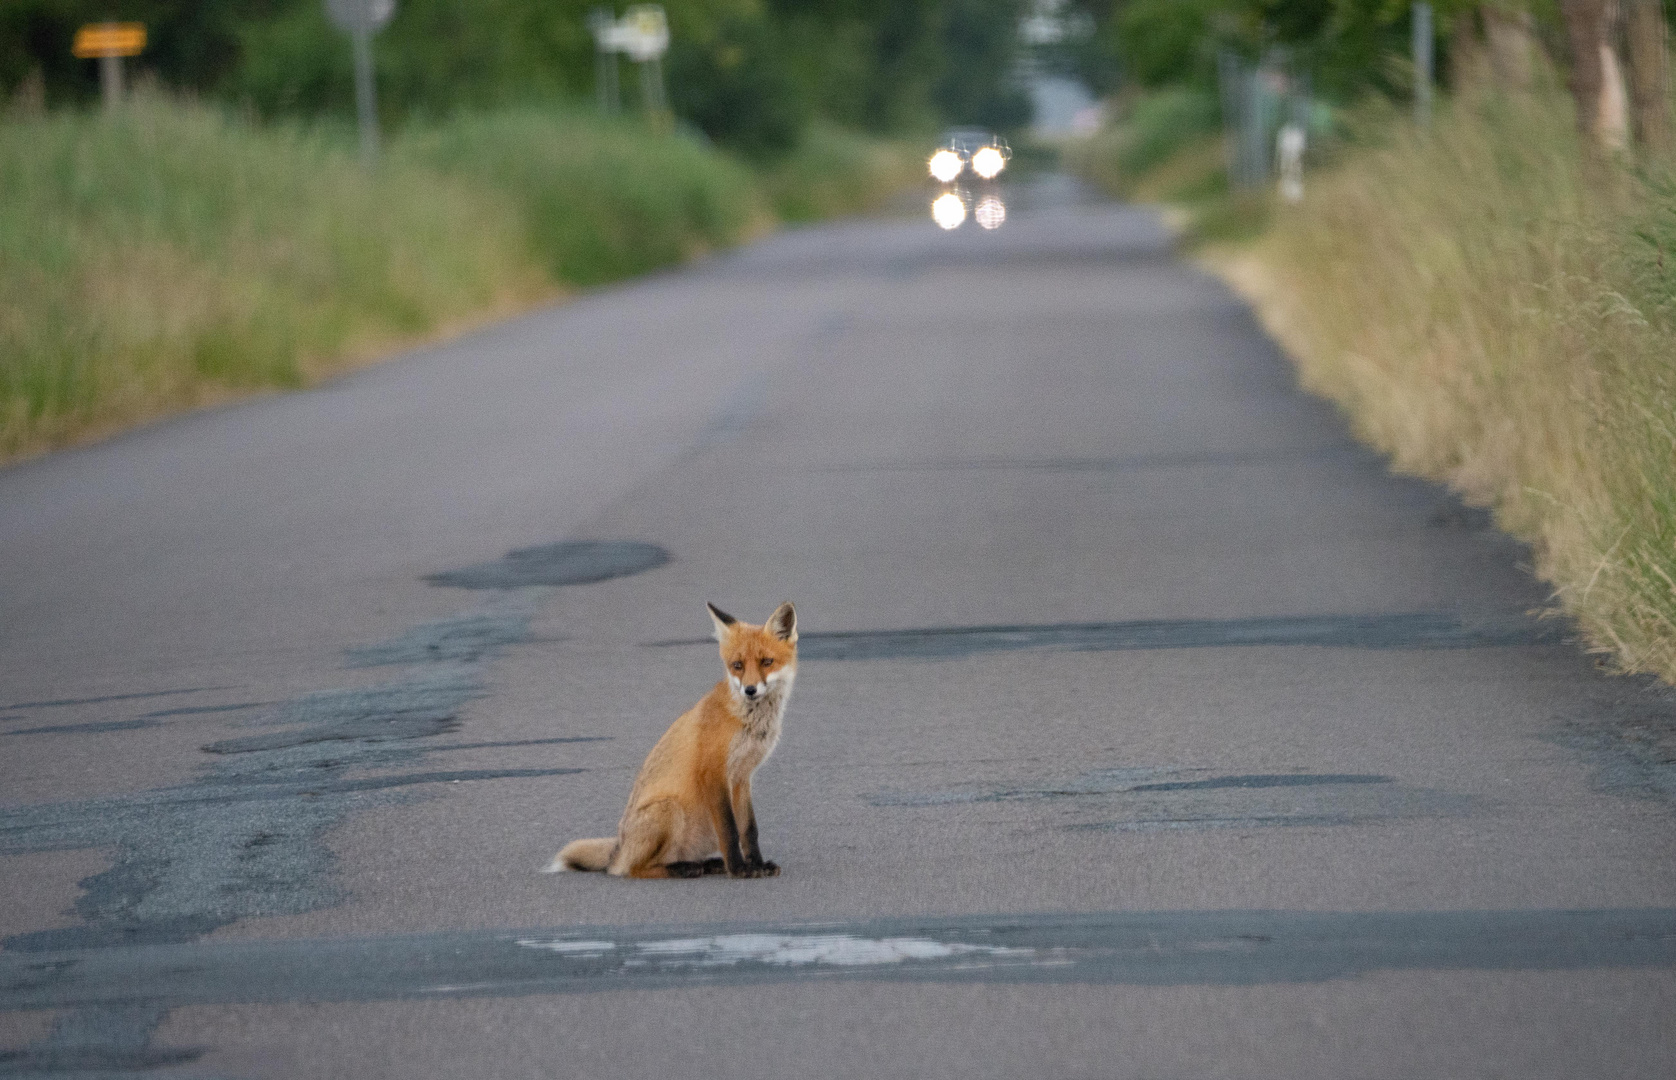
point(171, 255)
point(1495, 311)
point(168, 256)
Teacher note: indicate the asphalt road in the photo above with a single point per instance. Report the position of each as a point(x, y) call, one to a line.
point(1146, 727)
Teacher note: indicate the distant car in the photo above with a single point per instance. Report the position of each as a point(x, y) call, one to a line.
point(982, 152)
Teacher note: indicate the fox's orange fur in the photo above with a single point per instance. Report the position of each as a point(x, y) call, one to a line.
point(693, 795)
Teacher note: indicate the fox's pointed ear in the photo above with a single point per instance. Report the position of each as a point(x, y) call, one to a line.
point(722, 620)
point(783, 623)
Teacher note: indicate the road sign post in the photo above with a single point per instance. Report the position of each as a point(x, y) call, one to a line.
point(642, 34)
point(109, 43)
point(1422, 27)
point(603, 25)
point(360, 19)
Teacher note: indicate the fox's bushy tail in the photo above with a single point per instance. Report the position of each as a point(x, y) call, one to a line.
point(584, 855)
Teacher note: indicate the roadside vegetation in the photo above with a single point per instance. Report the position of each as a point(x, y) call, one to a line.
point(215, 236)
point(1494, 311)
point(174, 255)
point(1491, 301)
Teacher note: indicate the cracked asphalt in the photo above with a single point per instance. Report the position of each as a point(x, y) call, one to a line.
point(1146, 726)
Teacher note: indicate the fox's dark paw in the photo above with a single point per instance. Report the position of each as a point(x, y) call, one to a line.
point(717, 865)
point(756, 870)
point(685, 869)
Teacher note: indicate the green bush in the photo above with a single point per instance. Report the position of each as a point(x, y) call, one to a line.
point(839, 172)
point(737, 88)
point(1161, 125)
point(598, 201)
point(1165, 146)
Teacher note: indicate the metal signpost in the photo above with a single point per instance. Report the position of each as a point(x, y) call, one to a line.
point(360, 19)
point(109, 43)
point(1422, 64)
point(642, 34)
point(603, 25)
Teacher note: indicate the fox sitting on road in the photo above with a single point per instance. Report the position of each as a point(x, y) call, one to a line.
point(693, 795)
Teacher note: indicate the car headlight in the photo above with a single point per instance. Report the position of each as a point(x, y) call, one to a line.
point(948, 210)
point(946, 165)
point(988, 162)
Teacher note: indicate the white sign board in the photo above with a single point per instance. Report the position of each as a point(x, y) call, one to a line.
point(642, 33)
point(351, 16)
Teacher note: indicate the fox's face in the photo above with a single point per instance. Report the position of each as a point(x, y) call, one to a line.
point(761, 661)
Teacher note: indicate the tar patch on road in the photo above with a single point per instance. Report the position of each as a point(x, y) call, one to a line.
point(1151, 799)
point(146, 720)
point(1167, 948)
point(245, 837)
point(1631, 742)
point(1333, 453)
point(1404, 630)
point(570, 563)
point(58, 703)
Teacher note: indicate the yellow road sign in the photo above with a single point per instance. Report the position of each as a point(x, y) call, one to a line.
point(109, 39)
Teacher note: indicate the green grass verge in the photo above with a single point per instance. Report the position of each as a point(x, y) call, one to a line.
point(169, 256)
point(172, 254)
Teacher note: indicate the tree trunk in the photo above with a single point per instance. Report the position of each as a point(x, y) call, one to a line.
point(1596, 76)
point(1509, 33)
point(1649, 72)
point(1467, 62)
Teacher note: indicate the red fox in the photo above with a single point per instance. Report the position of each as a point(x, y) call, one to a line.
point(693, 795)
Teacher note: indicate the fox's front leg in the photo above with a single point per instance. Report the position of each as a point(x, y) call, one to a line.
point(745, 815)
point(727, 835)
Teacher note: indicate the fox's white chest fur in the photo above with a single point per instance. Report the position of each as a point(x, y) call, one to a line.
point(762, 719)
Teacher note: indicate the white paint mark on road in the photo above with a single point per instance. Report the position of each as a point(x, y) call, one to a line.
point(838, 950)
point(570, 948)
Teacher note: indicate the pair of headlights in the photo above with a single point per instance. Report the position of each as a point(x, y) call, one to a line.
point(987, 162)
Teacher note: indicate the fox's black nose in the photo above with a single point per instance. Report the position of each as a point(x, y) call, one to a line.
point(751, 691)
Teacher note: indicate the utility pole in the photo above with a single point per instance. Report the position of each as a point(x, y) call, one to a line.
point(360, 19)
point(1423, 36)
point(603, 25)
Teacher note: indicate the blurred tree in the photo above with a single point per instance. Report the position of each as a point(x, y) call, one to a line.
point(1348, 46)
point(190, 43)
point(978, 84)
point(747, 72)
point(733, 82)
point(1646, 31)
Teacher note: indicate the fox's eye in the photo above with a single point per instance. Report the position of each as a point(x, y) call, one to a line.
point(765, 663)
point(738, 665)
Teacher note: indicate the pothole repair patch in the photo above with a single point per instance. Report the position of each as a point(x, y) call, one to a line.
point(573, 562)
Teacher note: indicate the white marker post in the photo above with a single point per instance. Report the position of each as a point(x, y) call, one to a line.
point(360, 19)
point(1289, 161)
